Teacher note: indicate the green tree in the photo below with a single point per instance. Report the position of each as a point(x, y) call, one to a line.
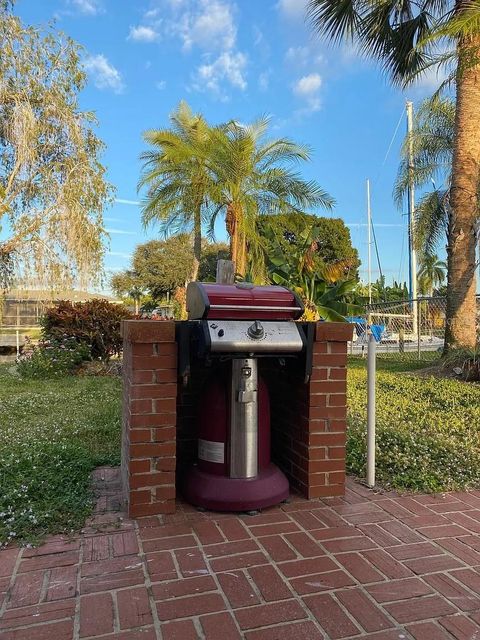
point(161, 266)
point(255, 176)
point(176, 177)
point(408, 37)
point(333, 241)
point(211, 252)
point(431, 274)
point(127, 284)
point(52, 184)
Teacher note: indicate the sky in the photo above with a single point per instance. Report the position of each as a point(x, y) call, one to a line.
point(239, 60)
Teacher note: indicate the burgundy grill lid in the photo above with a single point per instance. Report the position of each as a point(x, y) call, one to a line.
point(241, 301)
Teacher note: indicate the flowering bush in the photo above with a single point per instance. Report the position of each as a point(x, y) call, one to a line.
point(51, 358)
point(95, 323)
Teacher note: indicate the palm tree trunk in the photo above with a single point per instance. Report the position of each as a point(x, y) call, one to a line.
point(460, 328)
point(232, 225)
point(197, 242)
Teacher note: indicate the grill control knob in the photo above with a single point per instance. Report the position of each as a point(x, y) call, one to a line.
point(256, 331)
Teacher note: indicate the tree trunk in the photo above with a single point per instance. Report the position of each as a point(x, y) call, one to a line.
point(460, 329)
point(231, 224)
point(197, 242)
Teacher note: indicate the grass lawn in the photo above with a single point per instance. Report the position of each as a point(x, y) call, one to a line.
point(53, 433)
point(428, 430)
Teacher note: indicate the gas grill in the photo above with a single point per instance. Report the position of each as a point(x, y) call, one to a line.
point(230, 327)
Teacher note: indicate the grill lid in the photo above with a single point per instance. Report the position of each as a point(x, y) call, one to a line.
point(243, 301)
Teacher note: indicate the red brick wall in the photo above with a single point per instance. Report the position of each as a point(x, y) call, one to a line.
point(309, 420)
point(149, 416)
point(159, 430)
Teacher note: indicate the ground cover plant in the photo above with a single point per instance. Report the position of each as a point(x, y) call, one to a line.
point(53, 433)
point(428, 429)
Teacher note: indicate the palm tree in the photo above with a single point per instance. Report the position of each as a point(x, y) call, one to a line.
point(176, 176)
point(432, 141)
point(255, 176)
point(408, 37)
point(431, 274)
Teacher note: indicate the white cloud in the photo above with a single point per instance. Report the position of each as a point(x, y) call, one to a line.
point(123, 201)
point(121, 232)
point(87, 7)
point(431, 80)
point(264, 80)
point(119, 254)
point(308, 88)
point(293, 9)
point(208, 24)
point(104, 74)
point(228, 67)
point(301, 56)
point(143, 33)
point(308, 85)
point(160, 85)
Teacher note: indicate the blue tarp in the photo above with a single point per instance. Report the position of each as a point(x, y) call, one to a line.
point(361, 327)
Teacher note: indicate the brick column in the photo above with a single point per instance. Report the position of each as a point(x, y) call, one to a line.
point(149, 416)
point(327, 411)
point(309, 420)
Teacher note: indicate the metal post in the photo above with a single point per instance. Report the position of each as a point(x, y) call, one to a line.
point(18, 342)
point(371, 368)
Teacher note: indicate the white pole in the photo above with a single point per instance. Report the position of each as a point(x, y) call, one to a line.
point(369, 225)
point(18, 342)
point(411, 219)
point(371, 367)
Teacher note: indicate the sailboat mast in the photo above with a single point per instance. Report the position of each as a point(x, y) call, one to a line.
point(411, 220)
point(369, 235)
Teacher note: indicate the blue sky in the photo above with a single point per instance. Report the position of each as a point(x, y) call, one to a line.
point(238, 60)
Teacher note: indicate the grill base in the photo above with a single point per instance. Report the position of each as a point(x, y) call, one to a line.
point(219, 493)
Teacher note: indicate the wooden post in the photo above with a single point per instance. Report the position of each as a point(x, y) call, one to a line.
point(225, 272)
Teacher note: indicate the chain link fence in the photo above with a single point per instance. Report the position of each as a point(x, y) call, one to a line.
point(405, 327)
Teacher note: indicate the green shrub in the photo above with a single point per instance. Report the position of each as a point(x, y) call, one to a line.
point(95, 323)
point(52, 359)
point(428, 431)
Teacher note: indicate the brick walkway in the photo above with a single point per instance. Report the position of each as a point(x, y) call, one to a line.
point(368, 566)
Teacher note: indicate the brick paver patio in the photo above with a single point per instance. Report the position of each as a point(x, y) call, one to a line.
point(371, 566)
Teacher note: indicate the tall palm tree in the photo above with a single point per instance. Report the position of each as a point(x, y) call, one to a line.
point(431, 273)
point(407, 37)
point(176, 176)
point(253, 176)
point(432, 141)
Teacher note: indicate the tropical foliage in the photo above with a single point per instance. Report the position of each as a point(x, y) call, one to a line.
point(253, 176)
point(325, 290)
point(431, 274)
point(177, 178)
point(408, 38)
point(332, 238)
point(52, 184)
point(195, 172)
